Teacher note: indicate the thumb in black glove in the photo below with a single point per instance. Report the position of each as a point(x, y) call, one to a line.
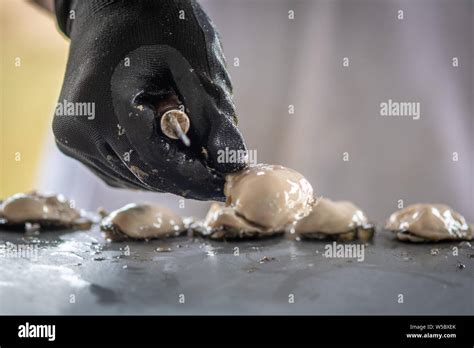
point(129, 57)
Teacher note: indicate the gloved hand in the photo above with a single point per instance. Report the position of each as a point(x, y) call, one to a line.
point(126, 59)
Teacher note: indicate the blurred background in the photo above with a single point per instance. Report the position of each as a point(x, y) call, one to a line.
point(33, 59)
point(283, 62)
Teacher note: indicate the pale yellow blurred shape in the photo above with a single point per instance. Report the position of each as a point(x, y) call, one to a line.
point(28, 92)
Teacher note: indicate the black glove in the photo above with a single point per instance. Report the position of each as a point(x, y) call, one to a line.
point(126, 59)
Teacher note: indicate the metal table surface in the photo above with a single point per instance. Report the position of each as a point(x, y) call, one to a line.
point(81, 273)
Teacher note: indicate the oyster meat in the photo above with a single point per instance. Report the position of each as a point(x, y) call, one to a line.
point(262, 200)
point(340, 220)
point(428, 223)
point(142, 221)
point(48, 211)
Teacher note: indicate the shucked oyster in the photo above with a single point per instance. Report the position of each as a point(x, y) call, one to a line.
point(142, 221)
point(225, 223)
point(261, 201)
point(49, 211)
point(337, 220)
point(428, 222)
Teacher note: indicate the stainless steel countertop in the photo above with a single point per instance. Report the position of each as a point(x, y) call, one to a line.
point(81, 273)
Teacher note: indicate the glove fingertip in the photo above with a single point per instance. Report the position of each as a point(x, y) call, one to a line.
point(226, 148)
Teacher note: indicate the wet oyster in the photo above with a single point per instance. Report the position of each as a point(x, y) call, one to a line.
point(261, 201)
point(142, 221)
point(341, 220)
point(45, 210)
point(428, 223)
point(224, 222)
